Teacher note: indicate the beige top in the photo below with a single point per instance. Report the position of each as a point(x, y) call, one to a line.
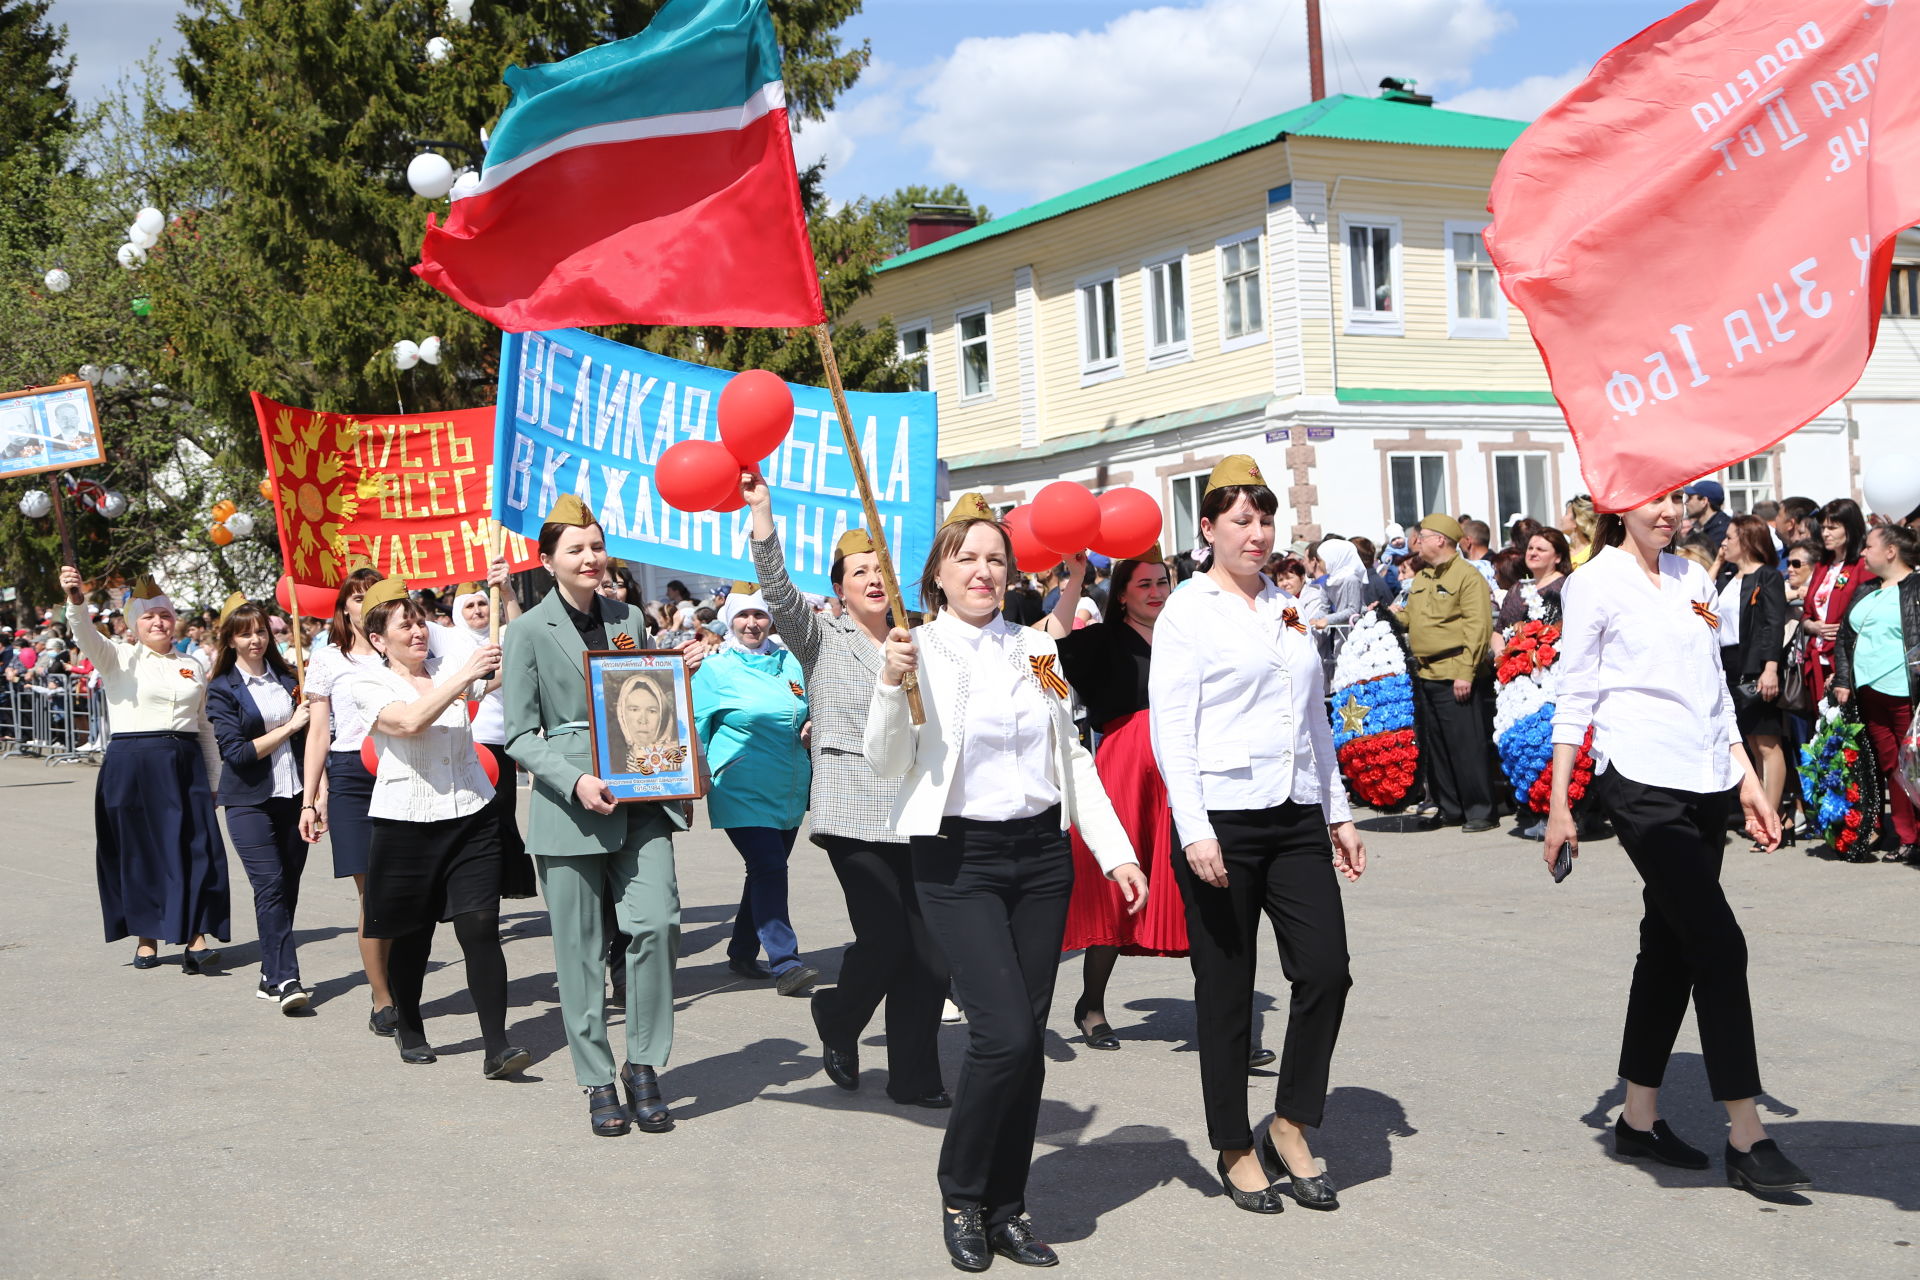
point(149, 692)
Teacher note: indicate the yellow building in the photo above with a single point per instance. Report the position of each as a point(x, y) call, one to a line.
point(1312, 290)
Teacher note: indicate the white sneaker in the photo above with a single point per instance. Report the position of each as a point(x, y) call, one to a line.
point(950, 1013)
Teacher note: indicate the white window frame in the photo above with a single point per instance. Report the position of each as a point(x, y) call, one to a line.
point(1545, 507)
point(960, 316)
point(1184, 538)
point(1220, 247)
point(1094, 371)
point(1459, 326)
point(1425, 504)
point(1172, 352)
point(1368, 321)
point(1747, 489)
point(925, 328)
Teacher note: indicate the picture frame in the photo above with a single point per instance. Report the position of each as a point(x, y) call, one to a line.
point(640, 713)
point(49, 429)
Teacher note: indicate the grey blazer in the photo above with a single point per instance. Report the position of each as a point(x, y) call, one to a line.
point(849, 798)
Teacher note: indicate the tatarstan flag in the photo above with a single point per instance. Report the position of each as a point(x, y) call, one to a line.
point(647, 181)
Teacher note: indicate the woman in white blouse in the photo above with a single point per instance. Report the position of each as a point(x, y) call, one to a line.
point(436, 848)
point(1640, 663)
point(161, 866)
point(992, 781)
point(1240, 729)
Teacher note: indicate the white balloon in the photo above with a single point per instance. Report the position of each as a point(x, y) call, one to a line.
point(438, 48)
point(114, 375)
point(405, 354)
point(241, 524)
point(141, 237)
point(460, 10)
point(151, 221)
point(130, 256)
point(58, 281)
point(90, 372)
point(114, 505)
point(430, 350)
point(430, 175)
point(35, 504)
point(464, 184)
point(1892, 485)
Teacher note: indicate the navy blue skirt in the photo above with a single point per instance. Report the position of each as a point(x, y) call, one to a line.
point(157, 849)
point(349, 792)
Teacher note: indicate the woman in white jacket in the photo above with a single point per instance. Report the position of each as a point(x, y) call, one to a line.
point(992, 781)
point(1240, 730)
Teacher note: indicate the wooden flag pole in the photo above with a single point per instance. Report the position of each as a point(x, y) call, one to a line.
point(299, 644)
point(494, 528)
point(888, 581)
point(60, 520)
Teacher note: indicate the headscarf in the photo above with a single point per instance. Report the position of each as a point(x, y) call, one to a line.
point(1343, 562)
point(146, 595)
point(460, 613)
point(739, 602)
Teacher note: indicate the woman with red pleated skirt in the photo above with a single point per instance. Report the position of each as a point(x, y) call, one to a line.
point(1106, 663)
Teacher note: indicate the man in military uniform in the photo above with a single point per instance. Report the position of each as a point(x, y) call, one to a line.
point(1449, 622)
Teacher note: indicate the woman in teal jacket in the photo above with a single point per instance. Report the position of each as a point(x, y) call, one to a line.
point(750, 705)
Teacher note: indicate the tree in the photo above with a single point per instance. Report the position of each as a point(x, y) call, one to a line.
point(35, 103)
point(890, 213)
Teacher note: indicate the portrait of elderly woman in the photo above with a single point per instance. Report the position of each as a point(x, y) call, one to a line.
point(645, 735)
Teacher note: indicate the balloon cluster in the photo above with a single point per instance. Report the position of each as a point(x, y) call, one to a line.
point(142, 235)
point(96, 497)
point(756, 412)
point(408, 354)
point(229, 522)
point(1065, 519)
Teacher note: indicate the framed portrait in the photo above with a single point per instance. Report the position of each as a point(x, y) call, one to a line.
point(49, 429)
point(640, 707)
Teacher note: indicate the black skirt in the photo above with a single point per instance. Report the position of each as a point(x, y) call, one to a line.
point(349, 830)
point(516, 864)
point(1756, 716)
point(427, 872)
point(157, 850)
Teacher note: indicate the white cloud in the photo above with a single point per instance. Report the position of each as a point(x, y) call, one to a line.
point(1521, 101)
point(875, 109)
point(1042, 112)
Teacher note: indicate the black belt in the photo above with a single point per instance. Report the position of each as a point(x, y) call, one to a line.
point(1046, 820)
point(154, 733)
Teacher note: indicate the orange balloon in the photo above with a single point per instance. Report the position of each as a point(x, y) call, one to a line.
point(220, 534)
point(266, 489)
point(223, 508)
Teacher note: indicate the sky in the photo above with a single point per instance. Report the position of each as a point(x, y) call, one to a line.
point(1018, 100)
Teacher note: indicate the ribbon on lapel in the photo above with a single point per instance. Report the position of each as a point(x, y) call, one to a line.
point(1043, 671)
point(798, 692)
point(623, 641)
point(1713, 619)
point(1292, 618)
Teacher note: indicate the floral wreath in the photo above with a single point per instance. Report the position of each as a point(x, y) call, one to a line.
point(1523, 715)
point(1372, 710)
point(1840, 781)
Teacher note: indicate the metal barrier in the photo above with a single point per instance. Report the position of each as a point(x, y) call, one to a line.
point(59, 719)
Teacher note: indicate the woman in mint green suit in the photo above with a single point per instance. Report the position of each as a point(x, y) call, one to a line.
point(587, 850)
point(750, 706)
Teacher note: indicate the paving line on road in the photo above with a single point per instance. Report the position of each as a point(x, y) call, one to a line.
point(28, 871)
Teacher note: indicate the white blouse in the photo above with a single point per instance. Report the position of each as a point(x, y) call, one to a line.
point(331, 674)
point(149, 692)
point(1641, 664)
point(275, 705)
point(1237, 702)
point(1006, 760)
point(429, 776)
point(456, 642)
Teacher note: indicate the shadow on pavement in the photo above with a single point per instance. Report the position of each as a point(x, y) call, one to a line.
point(729, 1080)
point(1356, 1141)
point(1077, 1184)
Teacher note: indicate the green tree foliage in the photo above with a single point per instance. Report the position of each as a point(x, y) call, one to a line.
point(34, 101)
point(890, 213)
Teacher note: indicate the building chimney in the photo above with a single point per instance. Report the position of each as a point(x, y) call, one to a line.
point(930, 222)
point(1393, 90)
point(1316, 64)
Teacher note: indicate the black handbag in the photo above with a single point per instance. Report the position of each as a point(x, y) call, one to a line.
point(1795, 698)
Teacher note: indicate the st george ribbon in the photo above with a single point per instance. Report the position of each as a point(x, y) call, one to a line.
point(1700, 232)
point(582, 414)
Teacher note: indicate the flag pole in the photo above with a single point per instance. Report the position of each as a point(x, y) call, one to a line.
point(60, 519)
point(299, 646)
point(888, 581)
point(494, 529)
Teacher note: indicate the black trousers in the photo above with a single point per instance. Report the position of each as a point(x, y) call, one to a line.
point(266, 838)
point(1690, 943)
point(994, 895)
point(1279, 861)
point(1453, 748)
point(893, 958)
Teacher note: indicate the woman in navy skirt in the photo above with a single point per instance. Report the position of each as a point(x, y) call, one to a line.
point(261, 726)
point(161, 866)
point(338, 786)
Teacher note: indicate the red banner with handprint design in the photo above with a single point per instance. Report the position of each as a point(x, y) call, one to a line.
point(407, 493)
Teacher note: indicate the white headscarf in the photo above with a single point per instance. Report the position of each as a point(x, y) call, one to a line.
point(138, 605)
point(737, 604)
point(460, 613)
point(1343, 561)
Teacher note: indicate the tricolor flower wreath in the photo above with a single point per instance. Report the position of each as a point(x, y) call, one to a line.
point(1523, 717)
point(1373, 715)
point(1840, 781)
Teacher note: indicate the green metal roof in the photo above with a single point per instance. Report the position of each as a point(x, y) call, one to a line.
point(1342, 116)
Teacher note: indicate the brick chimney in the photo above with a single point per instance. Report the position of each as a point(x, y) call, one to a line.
point(930, 222)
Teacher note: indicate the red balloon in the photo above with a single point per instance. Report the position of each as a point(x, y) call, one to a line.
point(488, 765)
point(756, 412)
point(1029, 554)
point(695, 474)
point(734, 499)
point(314, 602)
point(1065, 517)
point(370, 755)
point(1129, 523)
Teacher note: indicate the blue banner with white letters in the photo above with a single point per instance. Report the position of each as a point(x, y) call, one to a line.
point(589, 416)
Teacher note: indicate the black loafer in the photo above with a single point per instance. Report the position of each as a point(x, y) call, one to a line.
point(512, 1061)
point(1262, 1201)
point(146, 962)
point(643, 1099)
point(383, 1020)
point(1659, 1143)
point(966, 1238)
point(1475, 827)
point(1014, 1240)
point(751, 969)
point(1310, 1193)
point(1261, 1058)
point(937, 1100)
point(204, 960)
point(607, 1115)
point(843, 1065)
point(797, 981)
point(418, 1055)
point(1765, 1170)
point(1100, 1035)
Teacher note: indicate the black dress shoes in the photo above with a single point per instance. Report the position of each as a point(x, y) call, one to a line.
point(417, 1055)
point(936, 1100)
point(1477, 826)
point(749, 968)
point(843, 1065)
point(1765, 1170)
point(1262, 1201)
point(383, 1020)
point(966, 1238)
point(644, 1100)
point(205, 960)
point(146, 962)
point(1014, 1240)
point(1311, 1193)
point(1261, 1057)
point(1099, 1036)
point(511, 1062)
point(1660, 1143)
point(607, 1115)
